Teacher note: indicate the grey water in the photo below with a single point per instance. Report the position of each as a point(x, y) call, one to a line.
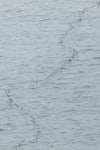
point(50, 75)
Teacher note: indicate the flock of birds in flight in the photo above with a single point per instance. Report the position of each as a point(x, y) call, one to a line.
point(13, 102)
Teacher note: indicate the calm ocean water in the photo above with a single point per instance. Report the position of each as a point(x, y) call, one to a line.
point(50, 75)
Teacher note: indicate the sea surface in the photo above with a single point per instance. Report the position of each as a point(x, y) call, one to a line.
point(49, 75)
